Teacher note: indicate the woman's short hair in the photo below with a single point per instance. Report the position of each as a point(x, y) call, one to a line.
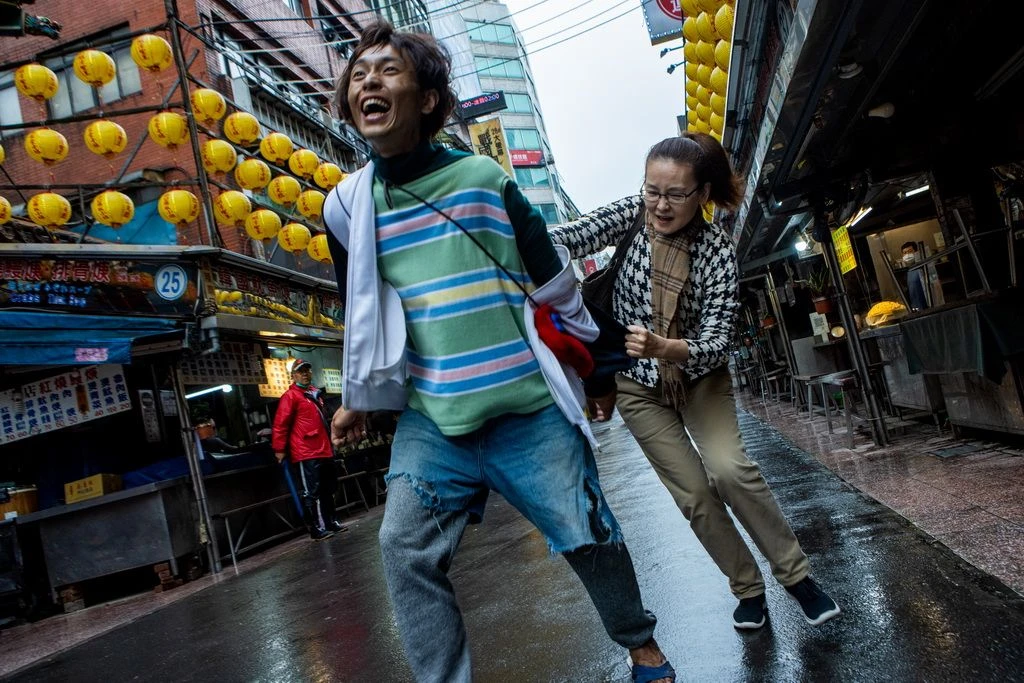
point(431, 61)
point(710, 165)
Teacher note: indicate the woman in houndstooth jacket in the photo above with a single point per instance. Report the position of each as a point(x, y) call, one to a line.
point(678, 294)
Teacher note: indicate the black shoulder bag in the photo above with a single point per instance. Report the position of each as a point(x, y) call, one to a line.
point(598, 287)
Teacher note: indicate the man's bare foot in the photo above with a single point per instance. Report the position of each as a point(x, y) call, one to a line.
point(649, 654)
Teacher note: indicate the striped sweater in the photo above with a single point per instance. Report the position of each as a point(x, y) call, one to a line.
point(468, 356)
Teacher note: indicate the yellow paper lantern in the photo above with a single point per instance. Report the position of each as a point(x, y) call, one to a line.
point(703, 96)
point(690, 52)
point(716, 135)
point(49, 210)
point(105, 138)
point(5, 210)
point(303, 162)
point(294, 237)
point(252, 174)
point(702, 126)
point(151, 52)
point(47, 146)
point(706, 53)
point(723, 21)
point(3, 154)
point(709, 212)
point(242, 128)
point(691, 102)
point(719, 81)
point(328, 175)
point(276, 147)
point(112, 208)
point(36, 81)
point(703, 112)
point(263, 225)
point(723, 51)
point(718, 104)
point(318, 251)
point(94, 67)
point(709, 5)
point(690, 8)
point(168, 129)
point(178, 207)
point(705, 26)
point(704, 74)
point(691, 69)
point(218, 156)
point(690, 29)
point(208, 106)
point(284, 190)
point(717, 122)
point(231, 208)
point(691, 117)
point(311, 204)
point(691, 87)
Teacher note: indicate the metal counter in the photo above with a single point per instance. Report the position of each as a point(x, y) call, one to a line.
point(133, 528)
point(916, 392)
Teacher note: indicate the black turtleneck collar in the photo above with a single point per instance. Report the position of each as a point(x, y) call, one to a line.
point(425, 158)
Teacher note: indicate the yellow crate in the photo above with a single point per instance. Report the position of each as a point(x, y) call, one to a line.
point(91, 487)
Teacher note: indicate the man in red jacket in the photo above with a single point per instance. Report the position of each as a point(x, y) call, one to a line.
point(301, 429)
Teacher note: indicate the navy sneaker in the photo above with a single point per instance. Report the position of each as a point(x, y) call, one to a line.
point(818, 607)
point(750, 613)
point(320, 534)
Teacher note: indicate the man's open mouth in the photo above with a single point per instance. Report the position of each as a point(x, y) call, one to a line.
point(375, 106)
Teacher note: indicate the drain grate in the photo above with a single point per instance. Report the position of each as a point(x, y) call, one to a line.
point(958, 450)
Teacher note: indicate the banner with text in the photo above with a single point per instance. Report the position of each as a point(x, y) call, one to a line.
point(488, 139)
point(664, 20)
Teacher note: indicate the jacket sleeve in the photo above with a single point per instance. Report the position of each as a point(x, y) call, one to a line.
point(598, 229)
point(719, 305)
point(532, 240)
point(283, 419)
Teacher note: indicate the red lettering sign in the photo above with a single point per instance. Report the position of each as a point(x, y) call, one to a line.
point(672, 8)
point(526, 157)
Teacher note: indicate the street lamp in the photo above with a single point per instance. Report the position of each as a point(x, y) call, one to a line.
point(672, 68)
point(666, 50)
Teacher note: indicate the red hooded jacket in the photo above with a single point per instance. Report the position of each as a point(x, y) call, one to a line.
point(298, 427)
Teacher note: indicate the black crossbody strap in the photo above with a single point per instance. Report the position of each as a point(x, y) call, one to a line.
point(627, 239)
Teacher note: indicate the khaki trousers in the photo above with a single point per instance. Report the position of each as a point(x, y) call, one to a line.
point(712, 471)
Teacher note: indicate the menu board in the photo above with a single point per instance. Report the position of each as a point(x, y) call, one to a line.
point(62, 400)
point(235, 363)
point(331, 379)
point(278, 377)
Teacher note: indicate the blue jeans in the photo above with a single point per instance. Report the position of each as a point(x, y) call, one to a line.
point(544, 467)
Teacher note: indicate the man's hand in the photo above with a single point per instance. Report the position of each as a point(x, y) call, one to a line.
point(601, 408)
point(347, 427)
point(280, 456)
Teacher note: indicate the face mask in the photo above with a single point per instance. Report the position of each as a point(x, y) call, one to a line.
point(301, 385)
point(909, 258)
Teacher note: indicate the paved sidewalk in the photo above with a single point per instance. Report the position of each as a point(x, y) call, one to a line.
point(913, 611)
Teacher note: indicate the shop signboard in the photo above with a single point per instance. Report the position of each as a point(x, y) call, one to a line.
point(98, 286)
point(844, 249)
point(481, 105)
point(664, 20)
point(243, 292)
point(63, 400)
point(331, 379)
point(488, 139)
point(235, 363)
point(278, 378)
point(527, 157)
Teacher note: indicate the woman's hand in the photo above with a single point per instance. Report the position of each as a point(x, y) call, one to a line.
point(642, 343)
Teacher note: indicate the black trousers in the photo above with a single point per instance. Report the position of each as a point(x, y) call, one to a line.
point(318, 480)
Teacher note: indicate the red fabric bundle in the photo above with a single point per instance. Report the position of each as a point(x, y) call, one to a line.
point(566, 347)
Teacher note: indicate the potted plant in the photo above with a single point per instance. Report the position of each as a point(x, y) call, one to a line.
point(821, 287)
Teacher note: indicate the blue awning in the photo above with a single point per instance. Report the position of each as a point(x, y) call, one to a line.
point(30, 338)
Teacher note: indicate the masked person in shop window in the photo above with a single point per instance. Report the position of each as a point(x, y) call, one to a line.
point(432, 247)
point(915, 277)
point(301, 429)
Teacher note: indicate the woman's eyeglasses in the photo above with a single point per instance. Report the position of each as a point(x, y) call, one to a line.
point(651, 196)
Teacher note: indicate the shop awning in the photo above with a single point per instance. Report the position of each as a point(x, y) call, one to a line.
point(30, 338)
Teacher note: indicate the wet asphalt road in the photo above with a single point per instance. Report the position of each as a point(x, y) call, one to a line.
point(912, 611)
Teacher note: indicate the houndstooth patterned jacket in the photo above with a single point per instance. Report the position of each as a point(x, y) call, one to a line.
point(708, 305)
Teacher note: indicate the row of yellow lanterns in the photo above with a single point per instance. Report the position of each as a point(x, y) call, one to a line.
point(707, 32)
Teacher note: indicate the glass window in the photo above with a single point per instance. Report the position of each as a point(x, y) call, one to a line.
point(74, 96)
point(484, 32)
point(549, 212)
point(533, 177)
point(523, 138)
point(519, 103)
point(294, 5)
point(499, 68)
point(10, 106)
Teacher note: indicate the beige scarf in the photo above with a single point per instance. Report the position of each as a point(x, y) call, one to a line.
point(670, 270)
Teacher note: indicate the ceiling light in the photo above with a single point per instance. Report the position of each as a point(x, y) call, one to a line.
point(801, 245)
point(864, 211)
point(917, 190)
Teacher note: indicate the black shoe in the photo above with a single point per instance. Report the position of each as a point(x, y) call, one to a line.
point(320, 534)
point(750, 613)
point(818, 607)
point(336, 526)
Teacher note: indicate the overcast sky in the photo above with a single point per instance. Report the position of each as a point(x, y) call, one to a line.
point(605, 95)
